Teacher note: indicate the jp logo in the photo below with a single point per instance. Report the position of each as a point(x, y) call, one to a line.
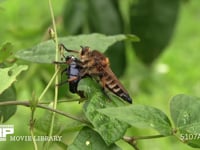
point(5, 130)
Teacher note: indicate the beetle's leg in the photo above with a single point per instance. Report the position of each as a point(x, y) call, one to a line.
point(62, 82)
point(63, 71)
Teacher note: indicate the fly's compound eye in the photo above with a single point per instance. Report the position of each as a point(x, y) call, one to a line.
point(84, 50)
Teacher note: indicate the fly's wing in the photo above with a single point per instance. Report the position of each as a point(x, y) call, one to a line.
point(102, 64)
point(112, 80)
point(99, 58)
point(114, 85)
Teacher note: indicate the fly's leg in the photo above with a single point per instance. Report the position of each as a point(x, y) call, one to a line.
point(82, 73)
point(61, 46)
point(103, 83)
point(59, 63)
point(72, 79)
point(68, 80)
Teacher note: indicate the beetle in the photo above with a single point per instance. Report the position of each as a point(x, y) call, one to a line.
point(72, 71)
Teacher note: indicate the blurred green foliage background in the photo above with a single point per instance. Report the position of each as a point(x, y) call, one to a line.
point(25, 23)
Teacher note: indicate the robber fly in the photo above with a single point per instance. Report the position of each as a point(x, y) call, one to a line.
point(94, 63)
point(72, 72)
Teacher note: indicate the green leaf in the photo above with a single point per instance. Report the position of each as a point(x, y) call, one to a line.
point(43, 123)
point(185, 114)
point(5, 51)
point(45, 51)
point(109, 128)
point(7, 111)
point(154, 22)
point(9, 75)
point(141, 116)
point(88, 139)
point(74, 16)
point(107, 21)
point(87, 16)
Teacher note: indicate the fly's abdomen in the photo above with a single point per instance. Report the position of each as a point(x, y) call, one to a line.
point(115, 87)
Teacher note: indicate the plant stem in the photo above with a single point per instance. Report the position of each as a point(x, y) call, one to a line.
point(133, 140)
point(70, 100)
point(48, 85)
point(149, 137)
point(56, 70)
point(34, 142)
point(33, 104)
point(28, 104)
